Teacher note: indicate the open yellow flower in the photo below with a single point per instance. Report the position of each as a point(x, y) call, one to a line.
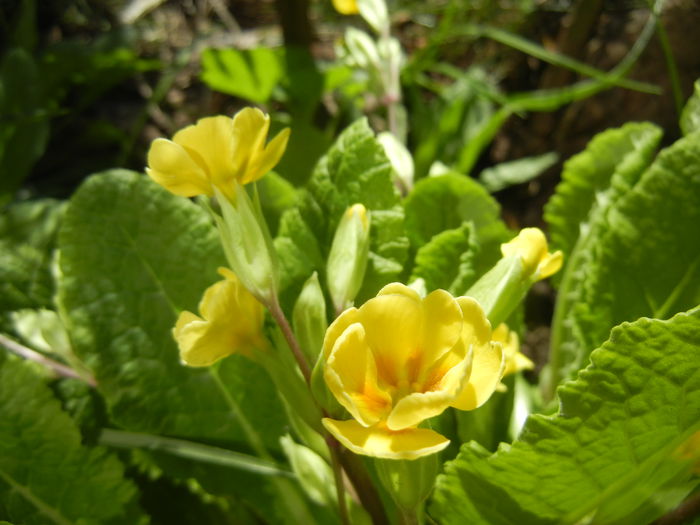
point(531, 246)
point(231, 322)
point(216, 152)
point(515, 360)
point(346, 7)
point(399, 360)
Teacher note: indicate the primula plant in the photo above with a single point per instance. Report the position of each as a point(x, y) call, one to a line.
point(348, 349)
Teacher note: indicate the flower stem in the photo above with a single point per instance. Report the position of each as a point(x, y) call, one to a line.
point(281, 320)
point(338, 477)
point(32, 355)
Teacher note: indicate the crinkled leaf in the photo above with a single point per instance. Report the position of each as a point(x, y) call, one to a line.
point(46, 475)
point(355, 170)
point(593, 179)
point(690, 117)
point(611, 447)
point(27, 238)
point(446, 202)
point(132, 257)
point(448, 260)
point(641, 258)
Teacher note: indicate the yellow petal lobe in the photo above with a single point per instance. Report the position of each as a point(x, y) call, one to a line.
point(383, 443)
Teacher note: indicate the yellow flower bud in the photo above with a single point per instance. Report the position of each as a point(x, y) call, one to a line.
point(398, 360)
point(231, 322)
point(346, 7)
point(515, 360)
point(216, 152)
point(531, 246)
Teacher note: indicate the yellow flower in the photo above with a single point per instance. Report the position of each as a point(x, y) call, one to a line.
point(515, 360)
point(216, 152)
point(398, 360)
point(531, 246)
point(346, 7)
point(231, 322)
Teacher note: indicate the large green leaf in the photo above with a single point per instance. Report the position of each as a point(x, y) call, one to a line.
point(446, 202)
point(607, 453)
point(587, 179)
point(133, 256)
point(355, 170)
point(640, 258)
point(46, 475)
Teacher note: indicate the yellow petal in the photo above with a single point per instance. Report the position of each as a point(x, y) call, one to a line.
point(487, 369)
point(476, 327)
point(393, 328)
point(399, 289)
point(210, 141)
point(202, 343)
point(550, 264)
point(183, 320)
point(351, 375)
point(411, 443)
point(337, 327)
point(250, 127)
point(263, 161)
point(419, 406)
point(346, 7)
point(173, 168)
point(441, 329)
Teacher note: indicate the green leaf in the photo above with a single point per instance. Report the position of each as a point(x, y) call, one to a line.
point(46, 475)
point(447, 261)
point(690, 117)
point(354, 170)
point(607, 452)
point(588, 179)
point(25, 129)
point(640, 258)
point(518, 171)
point(132, 257)
point(27, 238)
point(250, 74)
point(446, 202)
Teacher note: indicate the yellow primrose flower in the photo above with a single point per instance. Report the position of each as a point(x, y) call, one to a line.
point(231, 322)
point(216, 152)
point(398, 360)
point(515, 360)
point(346, 7)
point(531, 246)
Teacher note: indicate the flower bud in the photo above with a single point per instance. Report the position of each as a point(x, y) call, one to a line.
point(347, 260)
point(247, 244)
point(408, 481)
point(309, 318)
point(526, 260)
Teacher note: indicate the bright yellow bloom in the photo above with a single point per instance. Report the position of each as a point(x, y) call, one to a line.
point(531, 246)
point(514, 358)
point(398, 360)
point(216, 152)
point(346, 7)
point(231, 322)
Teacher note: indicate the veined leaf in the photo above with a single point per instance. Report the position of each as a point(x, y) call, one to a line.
point(448, 260)
point(446, 202)
point(587, 179)
point(640, 258)
point(46, 475)
point(613, 445)
point(132, 257)
point(355, 170)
